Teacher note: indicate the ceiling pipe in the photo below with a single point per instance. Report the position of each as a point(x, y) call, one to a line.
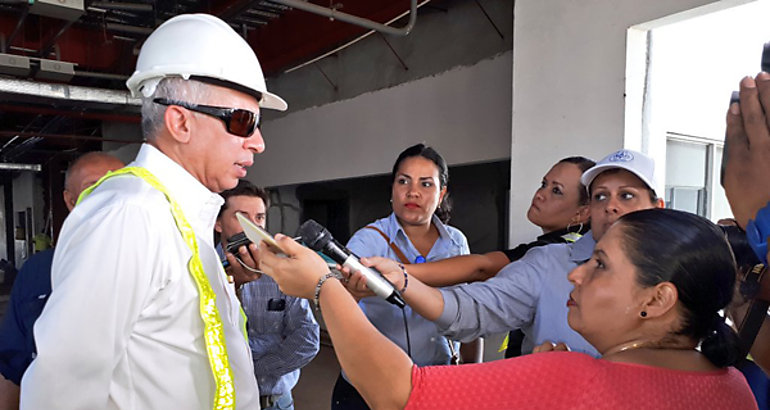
point(101, 76)
point(358, 21)
point(10, 134)
point(4, 166)
point(125, 28)
point(68, 92)
point(121, 6)
point(86, 115)
point(346, 45)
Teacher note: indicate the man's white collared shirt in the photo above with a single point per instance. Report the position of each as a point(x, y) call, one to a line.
point(122, 328)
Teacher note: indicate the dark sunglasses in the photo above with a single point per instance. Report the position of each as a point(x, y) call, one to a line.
point(237, 121)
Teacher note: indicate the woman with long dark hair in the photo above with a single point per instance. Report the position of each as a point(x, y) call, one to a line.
point(648, 300)
point(416, 231)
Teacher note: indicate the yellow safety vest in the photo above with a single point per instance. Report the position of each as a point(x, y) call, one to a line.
point(214, 333)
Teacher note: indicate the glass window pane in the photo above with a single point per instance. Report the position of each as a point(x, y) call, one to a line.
point(685, 164)
point(720, 208)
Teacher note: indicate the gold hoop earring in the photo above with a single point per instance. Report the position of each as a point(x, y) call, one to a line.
point(579, 229)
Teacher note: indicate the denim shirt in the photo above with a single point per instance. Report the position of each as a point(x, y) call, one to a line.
point(283, 335)
point(529, 294)
point(428, 346)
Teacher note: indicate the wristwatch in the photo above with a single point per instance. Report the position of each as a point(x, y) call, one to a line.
point(757, 231)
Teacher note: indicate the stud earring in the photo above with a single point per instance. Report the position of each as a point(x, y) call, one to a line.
point(643, 314)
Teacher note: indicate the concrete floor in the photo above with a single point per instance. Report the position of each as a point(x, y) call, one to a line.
point(314, 390)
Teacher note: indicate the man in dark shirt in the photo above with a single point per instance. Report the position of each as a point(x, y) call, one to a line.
point(33, 284)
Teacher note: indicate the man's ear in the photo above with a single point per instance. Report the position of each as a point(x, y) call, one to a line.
point(218, 226)
point(660, 299)
point(178, 121)
point(69, 199)
point(660, 203)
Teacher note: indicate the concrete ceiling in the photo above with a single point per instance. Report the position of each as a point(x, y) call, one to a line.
point(102, 44)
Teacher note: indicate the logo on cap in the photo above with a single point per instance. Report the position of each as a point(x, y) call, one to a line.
point(621, 156)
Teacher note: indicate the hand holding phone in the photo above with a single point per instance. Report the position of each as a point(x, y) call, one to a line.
point(256, 234)
point(735, 98)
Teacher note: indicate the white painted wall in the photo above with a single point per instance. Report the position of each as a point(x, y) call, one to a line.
point(689, 82)
point(465, 113)
point(569, 85)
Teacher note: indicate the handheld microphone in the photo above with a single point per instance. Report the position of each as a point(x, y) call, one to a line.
point(319, 239)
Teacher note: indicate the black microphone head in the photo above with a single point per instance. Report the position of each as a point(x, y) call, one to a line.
point(314, 235)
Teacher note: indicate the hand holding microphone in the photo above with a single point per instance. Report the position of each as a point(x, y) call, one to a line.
point(356, 282)
point(296, 273)
point(319, 239)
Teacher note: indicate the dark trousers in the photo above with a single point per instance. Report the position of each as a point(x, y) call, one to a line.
point(346, 397)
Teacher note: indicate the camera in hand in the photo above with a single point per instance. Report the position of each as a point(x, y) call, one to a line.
point(233, 243)
point(236, 241)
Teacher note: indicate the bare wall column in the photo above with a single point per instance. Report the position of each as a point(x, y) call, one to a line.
point(568, 85)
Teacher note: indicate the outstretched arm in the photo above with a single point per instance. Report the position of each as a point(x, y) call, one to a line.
point(459, 269)
point(378, 368)
point(423, 299)
point(748, 166)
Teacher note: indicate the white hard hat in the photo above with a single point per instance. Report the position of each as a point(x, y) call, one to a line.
point(200, 45)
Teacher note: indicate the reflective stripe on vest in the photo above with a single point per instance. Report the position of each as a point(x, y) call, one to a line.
point(214, 334)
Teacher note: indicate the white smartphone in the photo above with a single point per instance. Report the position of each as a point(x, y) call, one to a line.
point(256, 234)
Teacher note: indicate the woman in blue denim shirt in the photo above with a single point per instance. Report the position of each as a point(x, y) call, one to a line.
point(414, 232)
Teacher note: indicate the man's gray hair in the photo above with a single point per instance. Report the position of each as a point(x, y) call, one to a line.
point(172, 88)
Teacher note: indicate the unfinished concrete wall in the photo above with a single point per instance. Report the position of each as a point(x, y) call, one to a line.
point(455, 96)
point(569, 85)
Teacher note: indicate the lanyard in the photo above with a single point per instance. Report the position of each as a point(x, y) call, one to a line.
point(214, 334)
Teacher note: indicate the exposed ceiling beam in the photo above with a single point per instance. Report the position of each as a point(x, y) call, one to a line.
point(19, 23)
point(46, 47)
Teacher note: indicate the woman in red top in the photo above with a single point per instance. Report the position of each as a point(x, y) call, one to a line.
point(646, 299)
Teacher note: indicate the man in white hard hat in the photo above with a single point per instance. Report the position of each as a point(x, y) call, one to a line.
point(141, 314)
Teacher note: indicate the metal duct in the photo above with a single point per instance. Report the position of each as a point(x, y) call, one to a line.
point(11, 64)
point(121, 6)
point(125, 28)
point(67, 92)
point(20, 167)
